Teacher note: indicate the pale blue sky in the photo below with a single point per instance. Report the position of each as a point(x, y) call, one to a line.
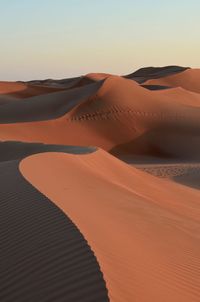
point(63, 38)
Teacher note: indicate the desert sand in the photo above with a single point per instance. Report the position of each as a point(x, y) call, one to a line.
point(118, 159)
point(188, 79)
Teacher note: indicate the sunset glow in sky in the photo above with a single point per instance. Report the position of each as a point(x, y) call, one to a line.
point(64, 38)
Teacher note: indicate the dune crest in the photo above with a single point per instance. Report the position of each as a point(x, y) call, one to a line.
point(133, 231)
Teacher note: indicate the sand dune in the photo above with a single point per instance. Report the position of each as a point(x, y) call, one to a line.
point(62, 83)
point(23, 90)
point(71, 82)
point(188, 79)
point(118, 115)
point(133, 231)
point(47, 106)
point(100, 178)
point(147, 73)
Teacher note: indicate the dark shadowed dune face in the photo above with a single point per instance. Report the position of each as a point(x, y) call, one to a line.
point(44, 257)
point(63, 83)
point(155, 87)
point(99, 188)
point(45, 107)
point(20, 90)
point(144, 74)
point(12, 150)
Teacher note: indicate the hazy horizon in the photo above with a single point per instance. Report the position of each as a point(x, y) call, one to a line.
point(56, 39)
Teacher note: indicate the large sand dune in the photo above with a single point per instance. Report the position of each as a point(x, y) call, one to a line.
point(141, 228)
point(106, 169)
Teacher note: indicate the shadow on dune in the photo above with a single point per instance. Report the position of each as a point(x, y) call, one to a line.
point(44, 255)
point(47, 106)
point(65, 84)
point(62, 83)
point(157, 151)
point(163, 143)
point(156, 87)
point(191, 180)
point(144, 145)
point(28, 91)
point(12, 150)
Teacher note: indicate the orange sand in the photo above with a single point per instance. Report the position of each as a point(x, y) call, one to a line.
point(141, 228)
point(144, 230)
point(188, 79)
point(122, 117)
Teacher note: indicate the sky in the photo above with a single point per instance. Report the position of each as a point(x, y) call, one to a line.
point(64, 38)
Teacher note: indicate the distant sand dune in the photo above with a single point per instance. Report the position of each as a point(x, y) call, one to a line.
point(188, 79)
point(117, 115)
point(23, 90)
point(147, 73)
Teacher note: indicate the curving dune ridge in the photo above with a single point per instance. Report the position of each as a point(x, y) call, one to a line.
point(100, 179)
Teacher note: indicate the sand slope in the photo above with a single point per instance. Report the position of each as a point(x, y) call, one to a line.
point(141, 228)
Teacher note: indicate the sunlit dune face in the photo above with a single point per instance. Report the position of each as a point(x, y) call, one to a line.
point(140, 227)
